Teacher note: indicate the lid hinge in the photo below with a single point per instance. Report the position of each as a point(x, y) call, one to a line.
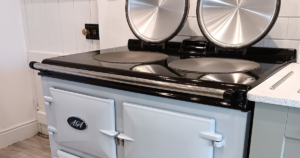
point(234, 53)
point(153, 47)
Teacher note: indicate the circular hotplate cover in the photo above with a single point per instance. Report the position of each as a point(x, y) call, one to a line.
point(236, 23)
point(131, 57)
point(156, 21)
point(214, 65)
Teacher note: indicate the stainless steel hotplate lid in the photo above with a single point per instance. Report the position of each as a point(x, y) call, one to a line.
point(236, 23)
point(214, 65)
point(156, 21)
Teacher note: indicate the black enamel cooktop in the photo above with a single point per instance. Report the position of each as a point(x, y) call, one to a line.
point(161, 69)
point(270, 59)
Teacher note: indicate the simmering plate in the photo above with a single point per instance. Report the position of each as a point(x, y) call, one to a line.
point(131, 57)
point(213, 65)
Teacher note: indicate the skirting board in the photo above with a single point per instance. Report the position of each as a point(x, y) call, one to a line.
point(18, 133)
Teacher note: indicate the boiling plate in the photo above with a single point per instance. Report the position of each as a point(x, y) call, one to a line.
point(214, 65)
point(236, 23)
point(131, 57)
point(156, 21)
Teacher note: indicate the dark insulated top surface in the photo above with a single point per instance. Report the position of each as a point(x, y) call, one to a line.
point(161, 69)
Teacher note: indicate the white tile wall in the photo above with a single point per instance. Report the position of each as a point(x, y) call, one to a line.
point(193, 4)
point(281, 43)
point(293, 29)
point(68, 27)
point(279, 29)
point(191, 28)
point(54, 26)
point(290, 8)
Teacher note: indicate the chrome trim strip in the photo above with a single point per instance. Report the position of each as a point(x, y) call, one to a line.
point(188, 89)
point(282, 80)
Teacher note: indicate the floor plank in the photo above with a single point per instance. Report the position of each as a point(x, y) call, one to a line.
point(34, 147)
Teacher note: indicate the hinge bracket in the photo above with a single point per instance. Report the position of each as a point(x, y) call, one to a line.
point(219, 144)
point(215, 137)
point(52, 130)
point(120, 139)
point(48, 100)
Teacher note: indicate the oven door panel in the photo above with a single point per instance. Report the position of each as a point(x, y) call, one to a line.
point(156, 133)
point(84, 123)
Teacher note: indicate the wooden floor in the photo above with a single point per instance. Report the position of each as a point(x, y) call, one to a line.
point(35, 147)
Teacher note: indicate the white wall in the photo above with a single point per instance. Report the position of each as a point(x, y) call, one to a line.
point(17, 109)
point(54, 28)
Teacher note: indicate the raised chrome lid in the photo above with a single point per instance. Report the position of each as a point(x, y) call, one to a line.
point(131, 57)
point(236, 23)
point(156, 21)
point(214, 65)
